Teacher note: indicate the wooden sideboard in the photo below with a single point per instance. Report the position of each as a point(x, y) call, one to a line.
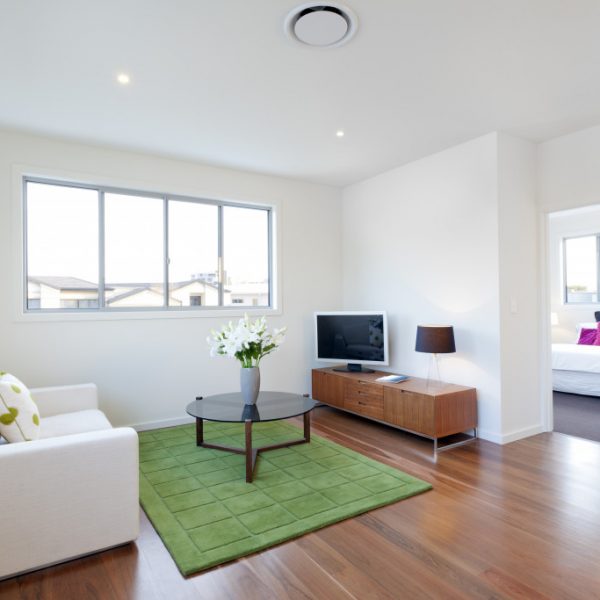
point(430, 409)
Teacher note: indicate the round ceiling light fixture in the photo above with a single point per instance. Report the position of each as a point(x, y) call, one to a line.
point(321, 25)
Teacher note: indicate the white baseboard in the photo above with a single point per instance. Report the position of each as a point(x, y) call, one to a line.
point(164, 423)
point(507, 438)
point(490, 436)
point(519, 434)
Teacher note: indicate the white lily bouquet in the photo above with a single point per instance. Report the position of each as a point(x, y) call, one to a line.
point(249, 341)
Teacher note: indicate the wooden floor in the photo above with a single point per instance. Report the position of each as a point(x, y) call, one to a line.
point(518, 521)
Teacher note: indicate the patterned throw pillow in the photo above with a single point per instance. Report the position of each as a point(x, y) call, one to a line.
point(587, 337)
point(19, 415)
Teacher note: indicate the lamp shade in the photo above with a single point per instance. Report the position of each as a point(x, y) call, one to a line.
point(437, 339)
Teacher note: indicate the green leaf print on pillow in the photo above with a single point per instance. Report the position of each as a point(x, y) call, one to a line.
point(9, 417)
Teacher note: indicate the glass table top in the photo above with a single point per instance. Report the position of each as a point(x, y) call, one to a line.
point(270, 406)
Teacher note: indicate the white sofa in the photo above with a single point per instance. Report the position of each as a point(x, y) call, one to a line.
point(72, 492)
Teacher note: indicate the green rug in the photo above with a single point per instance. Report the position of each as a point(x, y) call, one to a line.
point(206, 513)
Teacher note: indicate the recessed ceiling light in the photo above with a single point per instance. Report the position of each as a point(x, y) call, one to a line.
point(321, 24)
point(123, 78)
point(340, 133)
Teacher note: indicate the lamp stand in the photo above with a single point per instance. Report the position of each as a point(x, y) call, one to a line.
point(433, 371)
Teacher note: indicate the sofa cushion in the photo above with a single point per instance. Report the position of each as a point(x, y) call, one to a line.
point(19, 415)
point(81, 421)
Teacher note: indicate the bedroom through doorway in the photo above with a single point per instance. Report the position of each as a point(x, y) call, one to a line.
point(574, 279)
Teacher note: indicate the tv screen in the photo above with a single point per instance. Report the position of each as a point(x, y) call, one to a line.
point(355, 337)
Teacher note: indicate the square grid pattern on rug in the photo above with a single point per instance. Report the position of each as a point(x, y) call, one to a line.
point(206, 514)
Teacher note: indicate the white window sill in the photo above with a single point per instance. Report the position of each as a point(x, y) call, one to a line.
point(136, 315)
point(583, 305)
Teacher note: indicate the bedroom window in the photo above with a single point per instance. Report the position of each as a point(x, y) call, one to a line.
point(94, 248)
point(581, 269)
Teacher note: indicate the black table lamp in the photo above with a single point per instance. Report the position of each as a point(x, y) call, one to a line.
point(435, 339)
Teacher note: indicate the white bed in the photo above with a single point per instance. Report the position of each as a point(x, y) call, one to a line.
point(576, 369)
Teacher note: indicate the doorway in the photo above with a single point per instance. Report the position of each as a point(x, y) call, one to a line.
point(573, 272)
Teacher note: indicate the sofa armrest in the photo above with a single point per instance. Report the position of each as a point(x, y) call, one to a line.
point(68, 496)
point(65, 398)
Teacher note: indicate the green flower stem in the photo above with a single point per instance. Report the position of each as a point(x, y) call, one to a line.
point(250, 357)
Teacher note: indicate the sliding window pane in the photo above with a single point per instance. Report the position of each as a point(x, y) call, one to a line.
point(62, 247)
point(193, 254)
point(581, 269)
point(246, 256)
point(134, 251)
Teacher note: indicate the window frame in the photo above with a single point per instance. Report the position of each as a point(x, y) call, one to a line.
point(565, 290)
point(102, 310)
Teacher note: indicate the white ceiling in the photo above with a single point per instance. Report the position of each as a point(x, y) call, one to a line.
point(217, 80)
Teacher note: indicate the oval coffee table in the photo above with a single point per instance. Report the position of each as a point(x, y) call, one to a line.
point(230, 408)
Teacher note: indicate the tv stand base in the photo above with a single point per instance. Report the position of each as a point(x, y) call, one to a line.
point(353, 368)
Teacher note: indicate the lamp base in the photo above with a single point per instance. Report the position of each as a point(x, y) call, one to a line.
point(433, 372)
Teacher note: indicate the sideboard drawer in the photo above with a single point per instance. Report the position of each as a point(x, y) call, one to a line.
point(364, 402)
point(356, 389)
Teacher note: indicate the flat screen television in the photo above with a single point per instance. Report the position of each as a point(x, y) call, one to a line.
point(355, 337)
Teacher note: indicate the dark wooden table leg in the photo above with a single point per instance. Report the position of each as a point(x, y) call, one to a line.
point(249, 461)
point(307, 426)
point(199, 432)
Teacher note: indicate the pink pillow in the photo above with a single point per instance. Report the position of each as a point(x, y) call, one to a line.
point(588, 337)
point(597, 340)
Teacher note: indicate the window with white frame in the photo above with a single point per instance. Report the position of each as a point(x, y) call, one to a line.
point(94, 248)
point(580, 259)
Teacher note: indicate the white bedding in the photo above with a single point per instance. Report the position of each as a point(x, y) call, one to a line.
point(576, 369)
point(576, 382)
point(575, 357)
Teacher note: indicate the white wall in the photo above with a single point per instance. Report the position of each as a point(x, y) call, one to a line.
point(452, 239)
point(569, 171)
point(519, 289)
point(569, 223)
point(149, 369)
point(421, 241)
